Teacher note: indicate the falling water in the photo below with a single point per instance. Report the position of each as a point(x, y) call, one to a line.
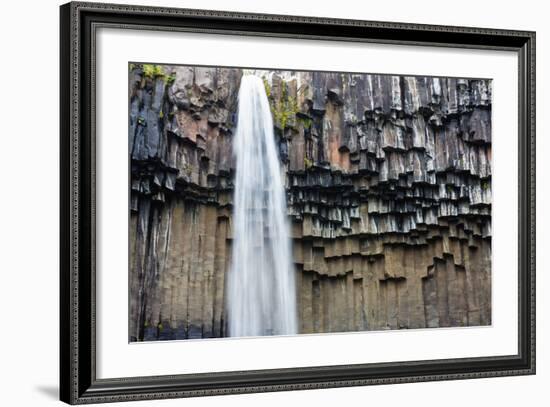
point(261, 286)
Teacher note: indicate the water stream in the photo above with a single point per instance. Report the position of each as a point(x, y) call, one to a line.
point(261, 283)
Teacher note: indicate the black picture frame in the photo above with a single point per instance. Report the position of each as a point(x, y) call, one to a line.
point(78, 382)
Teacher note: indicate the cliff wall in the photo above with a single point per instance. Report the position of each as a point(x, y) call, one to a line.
point(388, 184)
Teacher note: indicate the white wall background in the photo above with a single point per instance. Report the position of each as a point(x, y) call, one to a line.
point(29, 202)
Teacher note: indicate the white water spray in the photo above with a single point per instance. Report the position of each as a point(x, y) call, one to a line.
point(261, 285)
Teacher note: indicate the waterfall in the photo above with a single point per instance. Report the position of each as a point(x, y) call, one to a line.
point(261, 285)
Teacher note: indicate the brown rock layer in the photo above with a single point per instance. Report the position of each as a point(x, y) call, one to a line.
point(388, 187)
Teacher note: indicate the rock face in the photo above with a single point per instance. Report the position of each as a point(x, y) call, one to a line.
point(388, 184)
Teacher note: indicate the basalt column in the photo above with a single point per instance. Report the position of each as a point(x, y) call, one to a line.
point(388, 196)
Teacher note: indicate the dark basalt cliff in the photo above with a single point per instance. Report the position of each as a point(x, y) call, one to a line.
point(388, 188)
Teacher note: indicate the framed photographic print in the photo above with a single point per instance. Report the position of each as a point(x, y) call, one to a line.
point(257, 203)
